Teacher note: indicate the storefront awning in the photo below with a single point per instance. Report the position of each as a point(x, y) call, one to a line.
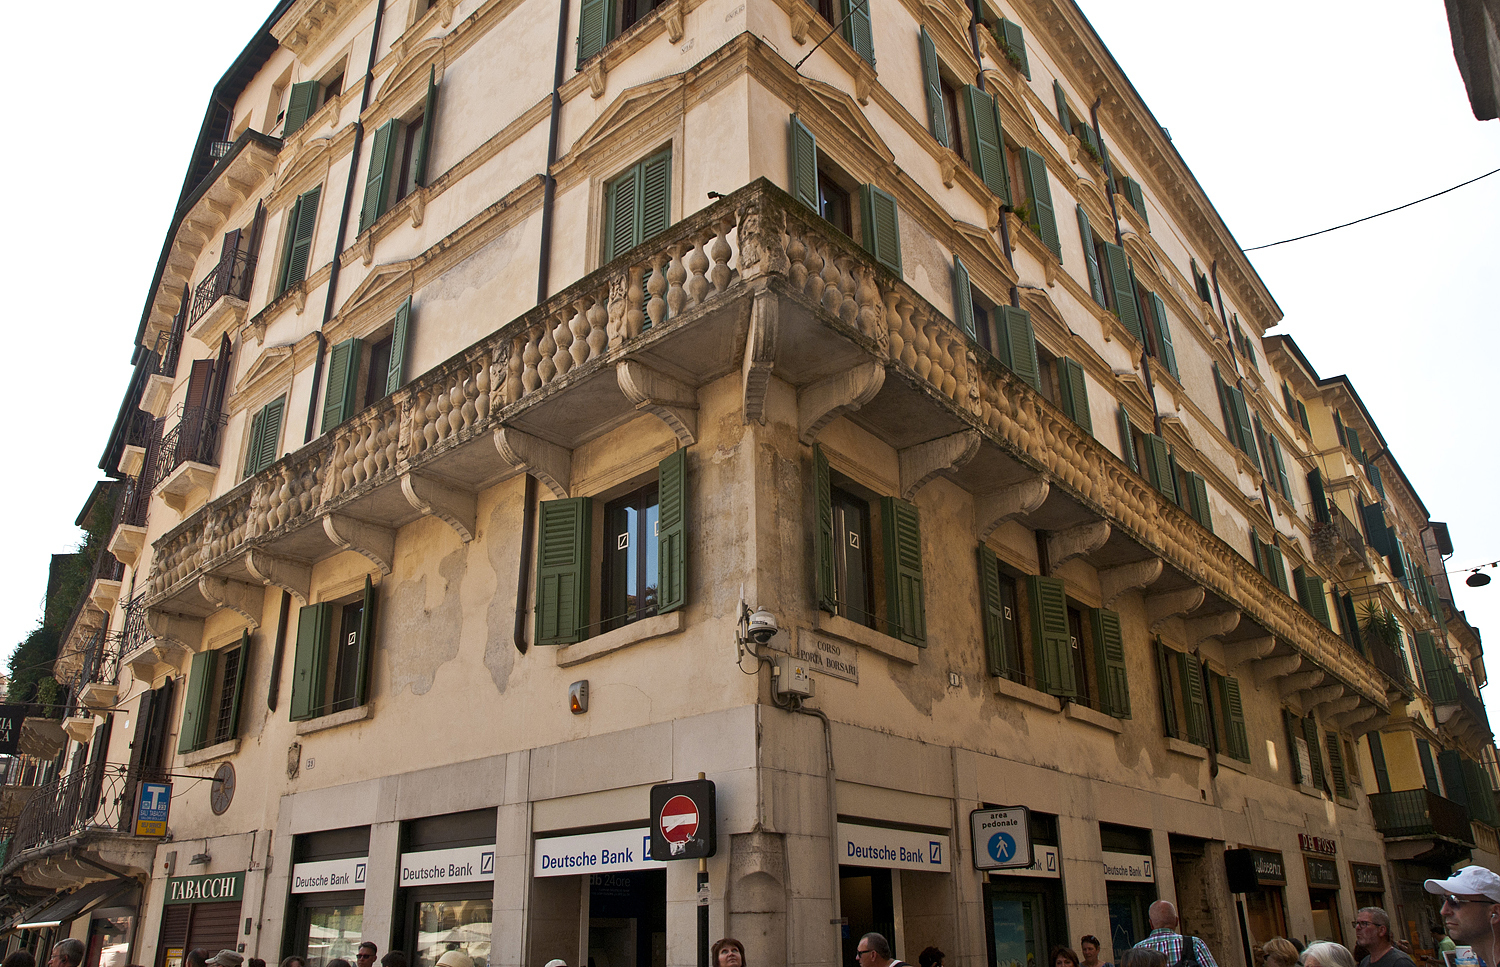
point(64, 908)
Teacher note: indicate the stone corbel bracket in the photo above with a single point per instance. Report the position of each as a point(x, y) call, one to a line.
point(760, 354)
point(1080, 541)
point(1161, 608)
point(1336, 707)
point(456, 507)
point(372, 540)
point(1115, 581)
point(293, 577)
point(671, 15)
point(547, 462)
point(1201, 629)
point(1268, 670)
point(1357, 715)
point(1253, 649)
point(245, 600)
point(922, 462)
point(820, 403)
point(1300, 682)
point(1008, 503)
point(1314, 697)
point(179, 630)
point(674, 403)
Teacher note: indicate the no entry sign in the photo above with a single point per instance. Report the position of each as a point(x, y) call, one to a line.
point(682, 820)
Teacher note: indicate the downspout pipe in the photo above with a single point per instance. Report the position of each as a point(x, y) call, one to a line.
point(338, 245)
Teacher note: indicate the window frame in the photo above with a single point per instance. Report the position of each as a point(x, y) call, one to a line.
point(212, 696)
point(318, 660)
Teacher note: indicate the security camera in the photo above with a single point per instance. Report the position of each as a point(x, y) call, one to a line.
point(762, 627)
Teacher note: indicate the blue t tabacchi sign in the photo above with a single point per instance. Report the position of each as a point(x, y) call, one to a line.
point(153, 804)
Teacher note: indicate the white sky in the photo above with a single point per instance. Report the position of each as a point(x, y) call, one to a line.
point(1294, 116)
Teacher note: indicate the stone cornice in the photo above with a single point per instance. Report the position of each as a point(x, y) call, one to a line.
point(310, 24)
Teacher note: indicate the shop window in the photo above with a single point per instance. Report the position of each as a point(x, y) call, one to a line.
point(455, 915)
point(216, 685)
point(301, 219)
point(638, 204)
point(264, 437)
point(327, 925)
point(362, 371)
point(398, 158)
point(642, 557)
point(332, 664)
point(850, 560)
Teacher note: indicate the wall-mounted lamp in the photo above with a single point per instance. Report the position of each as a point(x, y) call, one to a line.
point(1478, 579)
point(199, 859)
point(578, 697)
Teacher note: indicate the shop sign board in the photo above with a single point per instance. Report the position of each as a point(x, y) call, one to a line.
point(1323, 874)
point(892, 849)
point(683, 824)
point(1317, 844)
point(585, 853)
point(1367, 877)
point(153, 806)
point(462, 864)
point(11, 717)
point(1047, 863)
point(1129, 867)
point(208, 888)
point(1000, 838)
point(325, 876)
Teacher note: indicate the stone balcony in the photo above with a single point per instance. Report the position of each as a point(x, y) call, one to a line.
point(754, 284)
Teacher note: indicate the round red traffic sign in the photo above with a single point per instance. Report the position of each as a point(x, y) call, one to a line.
point(679, 819)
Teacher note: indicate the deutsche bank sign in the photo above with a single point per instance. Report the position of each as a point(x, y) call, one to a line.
point(611, 852)
point(1001, 838)
point(892, 849)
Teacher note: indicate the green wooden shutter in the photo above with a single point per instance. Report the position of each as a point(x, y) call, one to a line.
point(986, 141)
point(1086, 235)
point(343, 383)
point(1168, 696)
point(1073, 393)
point(300, 104)
point(1242, 423)
point(1349, 618)
point(823, 510)
point(1450, 763)
point(1255, 551)
point(269, 439)
point(562, 568)
point(1302, 417)
point(1137, 198)
point(395, 373)
point(671, 541)
point(1377, 760)
point(366, 645)
point(1064, 116)
point(1197, 494)
point(242, 672)
point(429, 119)
point(857, 29)
point(1432, 671)
point(1122, 290)
point(1317, 601)
point(1275, 567)
point(195, 708)
point(1159, 467)
point(1375, 479)
point(310, 665)
point(1376, 531)
point(1314, 752)
point(1336, 765)
point(1163, 335)
point(301, 220)
point(1127, 441)
point(1234, 720)
point(1291, 726)
point(804, 165)
point(963, 297)
point(903, 570)
point(1109, 658)
point(1281, 476)
point(1352, 436)
point(382, 173)
point(992, 607)
point(622, 214)
point(1190, 674)
point(252, 452)
point(937, 117)
point(1020, 345)
point(1013, 39)
point(1319, 496)
point(1051, 639)
point(882, 227)
point(595, 18)
point(656, 195)
point(1039, 194)
point(1088, 136)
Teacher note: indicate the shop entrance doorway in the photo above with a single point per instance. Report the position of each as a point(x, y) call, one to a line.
point(628, 919)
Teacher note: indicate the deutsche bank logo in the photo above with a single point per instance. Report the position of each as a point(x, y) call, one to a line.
point(934, 852)
point(1002, 847)
point(359, 872)
point(487, 863)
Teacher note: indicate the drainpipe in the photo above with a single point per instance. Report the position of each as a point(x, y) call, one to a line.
point(837, 918)
point(338, 245)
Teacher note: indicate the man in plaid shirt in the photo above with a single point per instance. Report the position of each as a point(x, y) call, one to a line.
point(1166, 940)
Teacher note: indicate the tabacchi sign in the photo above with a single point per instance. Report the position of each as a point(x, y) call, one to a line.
point(211, 888)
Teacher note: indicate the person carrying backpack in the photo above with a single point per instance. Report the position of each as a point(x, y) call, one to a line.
point(1166, 941)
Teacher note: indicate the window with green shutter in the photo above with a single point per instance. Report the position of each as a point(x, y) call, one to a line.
point(902, 550)
point(1073, 393)
point(1012, 41)
point(997, 595)
point(881, 226)
point(1429, 767)
point(335, 646)
point(963, 298)
point(1051, 638)
point(265, 437)
point(1127, 441)
point(1336, 765)
point(1200, 282)
point(932, 82)
point(804, 149)
point(1018, 344)
point(381, 175)
point(1091, 258)
point(301, 220)
point(195, 707)
point(1041, 216)
point(1122, 289)
point(1237, 741)
point(857, 29)
point(1169, 691)
point(1377, 761)
point(339, 397)
point(596, 27)
point(1311, 596)
point(1318, 497)
point(1161, 331)
point(1137, 199)
point(395, 373)
point(1195, 707)
point(1197, 499)
point(562, 571)
point(1064, 116)
point(1109, 659)
point(1158, 462)
point(1314, 753)
point(301, 102)
point(309, 665)
point(1295, 747)
point(986, 141)
point(638, 205)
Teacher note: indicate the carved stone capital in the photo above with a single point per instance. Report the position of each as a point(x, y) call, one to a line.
point(372, 540)
point(1078, 541)
point(672, 402)
point(547, 462)
point(820, 403)
point(923, 461)
point(1115, 581)
point(293, 577)
point(454, 506)
point(998, 506)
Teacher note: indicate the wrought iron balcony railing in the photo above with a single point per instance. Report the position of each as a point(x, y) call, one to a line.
point(231, 277)
point(168, 348)
point(134, 633)
point(97, 798)
point(194, 437)
point(1418, 812)
point(1388, 660)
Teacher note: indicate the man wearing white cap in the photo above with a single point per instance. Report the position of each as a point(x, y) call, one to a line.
point(1471, 909)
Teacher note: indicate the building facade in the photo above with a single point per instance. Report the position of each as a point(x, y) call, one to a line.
point(503, 355)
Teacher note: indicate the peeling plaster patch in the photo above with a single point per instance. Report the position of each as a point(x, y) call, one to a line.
point(474, 272)
point(419, 639)
point(499, 644)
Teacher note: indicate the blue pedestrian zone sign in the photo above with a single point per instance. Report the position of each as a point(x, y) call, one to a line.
point(1001, 838)
point(152, 807)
